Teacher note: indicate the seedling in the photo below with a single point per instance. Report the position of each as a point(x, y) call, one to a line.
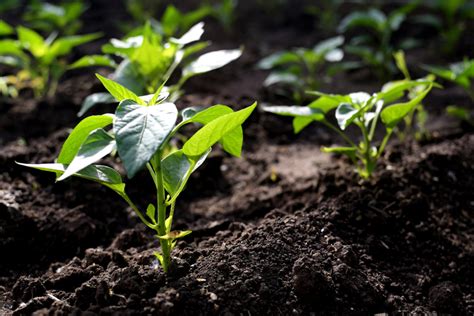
point(173, 22)
point(363, 111)
point(455, 15)
point(49, 18)
point(40, 62)
point(326, 13)
point(460, 73)
point(148, 61)
point(301, 68)
point(461, 113)
point(375, 48)
point(141, 128)
point(415, 121)
point(224, 12)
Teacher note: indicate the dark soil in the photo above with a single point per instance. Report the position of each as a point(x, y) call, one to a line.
point(284, 230)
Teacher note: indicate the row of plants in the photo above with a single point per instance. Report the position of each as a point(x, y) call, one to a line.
point(146, 120)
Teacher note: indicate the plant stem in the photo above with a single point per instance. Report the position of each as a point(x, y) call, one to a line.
point(161, 207)
point(368, 163)
point(384, 143)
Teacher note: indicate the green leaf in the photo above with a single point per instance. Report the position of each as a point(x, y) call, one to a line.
point(158, 96)
point(394, 113)
point(279, 59)
point(459, 112)
point(32, 41)
point(212, 132)
point(189, 112)
point(119, 92)
point(194, 34)
point(328, 45)
point(97, 145)
point(301, 122)
point(394, 90)
point(211, 61)
point(5, 28)
point(278, 77)
point(231, 142)
point(374, 19)
point(140, 131)
point(193, 49)
point(296, 111)
point(348, 151)
point(401, 63)
point(97, 173)
point(94, 99)
point(345, 115)
point(177, 168)
point(175, 234)
point(93, 61)
point(211, 113)
point(80, 133)
point(127, 75)
point(11, 47)
point(151, 213)
point(64, 45)
point(327, 102)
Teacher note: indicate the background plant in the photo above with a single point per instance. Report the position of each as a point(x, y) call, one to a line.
point(302, 69)
point(48, 17)
point(462, 113)
point(39, 62)
point(142, 127)
point(450, 21)
point(148, 61)
point(375, 46)
point(363, 111)
point(415, 122)
point(460, 73)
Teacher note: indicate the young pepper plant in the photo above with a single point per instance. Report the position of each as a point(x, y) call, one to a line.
point(48, 17)
point(375, 47)
point(415, 121)
point(460, 73)
point(148, 61)
point(450, 20)
point(301, 68)
point(142, 128)
point(362, 110)
point(40, 62)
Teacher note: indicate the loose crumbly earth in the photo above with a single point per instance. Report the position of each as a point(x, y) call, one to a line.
point(283, 230)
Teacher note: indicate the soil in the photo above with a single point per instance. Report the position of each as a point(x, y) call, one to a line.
point(284, 230)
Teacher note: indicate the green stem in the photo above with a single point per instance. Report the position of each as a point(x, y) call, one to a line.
point(161, 207)
point(384, 143)
point(368, 163)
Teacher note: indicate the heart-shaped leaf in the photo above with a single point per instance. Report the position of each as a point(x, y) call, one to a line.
point(140, 131)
